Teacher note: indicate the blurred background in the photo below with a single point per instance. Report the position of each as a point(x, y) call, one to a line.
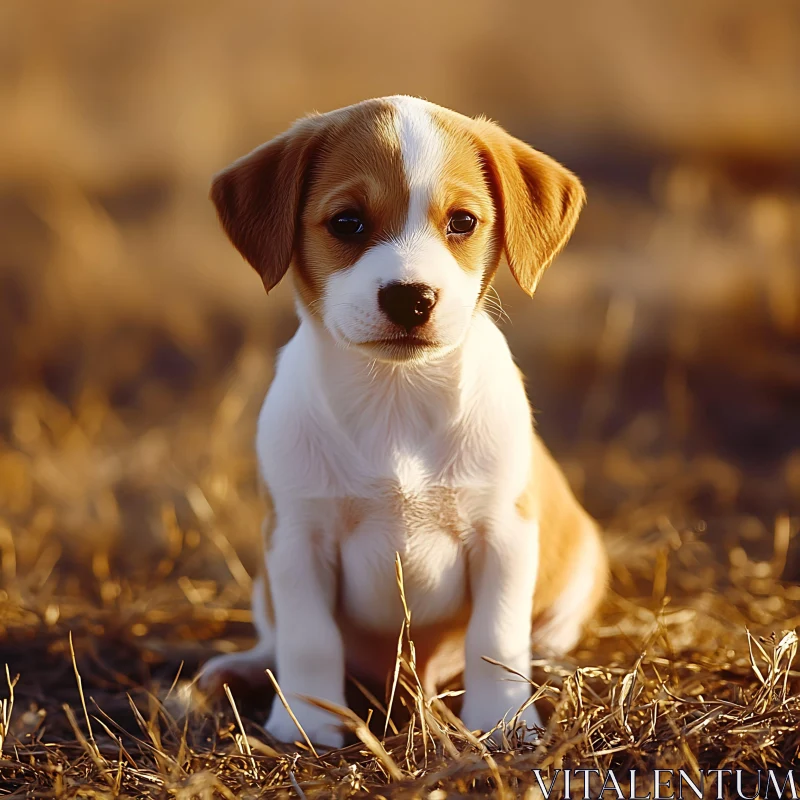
point(662, 349)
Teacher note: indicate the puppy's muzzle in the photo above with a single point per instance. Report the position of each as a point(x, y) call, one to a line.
point(407, 305)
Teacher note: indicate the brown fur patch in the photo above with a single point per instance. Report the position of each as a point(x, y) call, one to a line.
point(276, 202)
point(564, 528)
point(464, 187)
point(359, 168)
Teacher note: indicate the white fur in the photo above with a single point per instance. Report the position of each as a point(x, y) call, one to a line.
point(335, 426)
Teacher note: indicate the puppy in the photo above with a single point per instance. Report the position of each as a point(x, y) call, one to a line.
point(397, 422)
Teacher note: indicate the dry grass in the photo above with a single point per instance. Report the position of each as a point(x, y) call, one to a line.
point(662, 352)
point(129, 497)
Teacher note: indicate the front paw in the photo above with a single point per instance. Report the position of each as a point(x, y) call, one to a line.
point(321, 727)
point(487, 712)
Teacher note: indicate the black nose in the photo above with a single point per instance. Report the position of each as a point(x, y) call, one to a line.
point(408, 305)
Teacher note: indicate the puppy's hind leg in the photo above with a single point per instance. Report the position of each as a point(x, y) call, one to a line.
point(246, 667)
point(562, 625)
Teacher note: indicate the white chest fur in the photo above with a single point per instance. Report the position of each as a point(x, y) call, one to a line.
point(380, 461)
point(429, 531)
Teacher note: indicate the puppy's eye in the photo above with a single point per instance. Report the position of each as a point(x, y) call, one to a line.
point(346, 224)
point(461, 222)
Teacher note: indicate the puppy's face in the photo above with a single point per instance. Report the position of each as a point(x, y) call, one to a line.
point(398, 232)
point(395, 214)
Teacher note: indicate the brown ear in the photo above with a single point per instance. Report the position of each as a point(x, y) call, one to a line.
point(257, 199)
point(540, 202)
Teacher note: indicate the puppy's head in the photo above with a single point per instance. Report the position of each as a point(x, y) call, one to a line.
point(394, 214)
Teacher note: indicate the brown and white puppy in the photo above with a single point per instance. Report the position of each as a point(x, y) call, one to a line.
point(397, 421)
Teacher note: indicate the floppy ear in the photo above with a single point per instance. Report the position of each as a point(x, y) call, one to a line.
point(257, 199)
point(540, 202)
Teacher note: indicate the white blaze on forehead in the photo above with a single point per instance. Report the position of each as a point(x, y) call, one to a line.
point(422, 149)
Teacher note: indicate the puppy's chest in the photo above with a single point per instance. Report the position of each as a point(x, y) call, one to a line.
point(400, 481)
point(428, 528)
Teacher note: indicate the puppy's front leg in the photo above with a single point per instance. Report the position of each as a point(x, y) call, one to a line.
point(309, 648)
point(503, 565)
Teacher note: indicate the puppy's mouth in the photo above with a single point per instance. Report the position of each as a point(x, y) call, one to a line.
point(402, 347)
point(403, 341)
